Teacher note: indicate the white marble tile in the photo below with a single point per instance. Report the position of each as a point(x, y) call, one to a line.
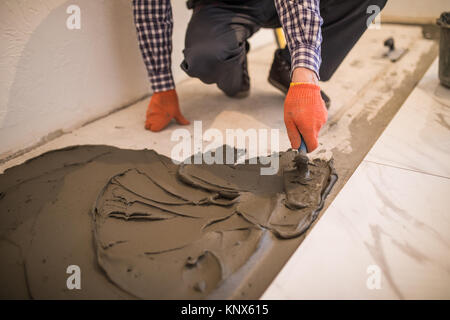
point(418, 137)
point(395, 219)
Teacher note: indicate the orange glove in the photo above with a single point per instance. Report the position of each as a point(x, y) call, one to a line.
point(162, 109)
point(305, 113)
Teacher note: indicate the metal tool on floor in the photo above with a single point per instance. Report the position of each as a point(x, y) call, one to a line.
point(394, 54)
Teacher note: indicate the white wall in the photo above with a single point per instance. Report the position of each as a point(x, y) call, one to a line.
point(414, 11)
point(53, 79)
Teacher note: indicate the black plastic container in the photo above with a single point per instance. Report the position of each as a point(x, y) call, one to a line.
point(444, 49)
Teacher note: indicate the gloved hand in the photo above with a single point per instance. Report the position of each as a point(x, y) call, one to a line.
point(162, 109)
point(305, 113)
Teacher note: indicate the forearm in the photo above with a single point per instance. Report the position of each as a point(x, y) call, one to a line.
point(301, 22)
point(154, 26)
point(304, 75)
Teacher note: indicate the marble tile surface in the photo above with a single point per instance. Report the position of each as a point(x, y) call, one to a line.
point(418, 137)
point(388, 221)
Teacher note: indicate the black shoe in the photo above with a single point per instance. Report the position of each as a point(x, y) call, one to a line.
point(280, 72)
point(280, 75)
point(325, 99)
point(245, 88)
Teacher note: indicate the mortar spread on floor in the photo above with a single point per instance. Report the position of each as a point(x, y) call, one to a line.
point(140, 226)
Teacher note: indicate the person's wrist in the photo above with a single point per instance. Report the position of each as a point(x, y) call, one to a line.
point(304, 75)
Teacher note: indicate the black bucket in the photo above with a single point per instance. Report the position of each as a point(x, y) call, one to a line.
point(444, 49)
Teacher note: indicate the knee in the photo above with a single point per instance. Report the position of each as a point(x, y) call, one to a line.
point(207, 61)
point(200, 62)
point(326, 74)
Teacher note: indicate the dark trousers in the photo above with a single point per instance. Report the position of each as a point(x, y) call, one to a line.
point(215, 45)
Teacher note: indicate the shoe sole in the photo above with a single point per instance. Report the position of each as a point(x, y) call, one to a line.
point(239, 95)
point(278, 85)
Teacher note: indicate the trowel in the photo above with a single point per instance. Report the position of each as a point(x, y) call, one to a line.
point(296, 176)
point(301, 161)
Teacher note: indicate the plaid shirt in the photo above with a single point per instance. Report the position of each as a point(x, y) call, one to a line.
point(300, 19)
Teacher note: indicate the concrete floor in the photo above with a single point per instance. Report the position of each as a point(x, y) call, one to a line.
point(359, 90)
point(366, 92)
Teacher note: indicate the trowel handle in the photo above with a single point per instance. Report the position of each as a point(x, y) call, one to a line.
point(303, 145)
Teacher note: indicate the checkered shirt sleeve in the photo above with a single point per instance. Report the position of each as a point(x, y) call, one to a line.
point(154, 25)
point(301, 22)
